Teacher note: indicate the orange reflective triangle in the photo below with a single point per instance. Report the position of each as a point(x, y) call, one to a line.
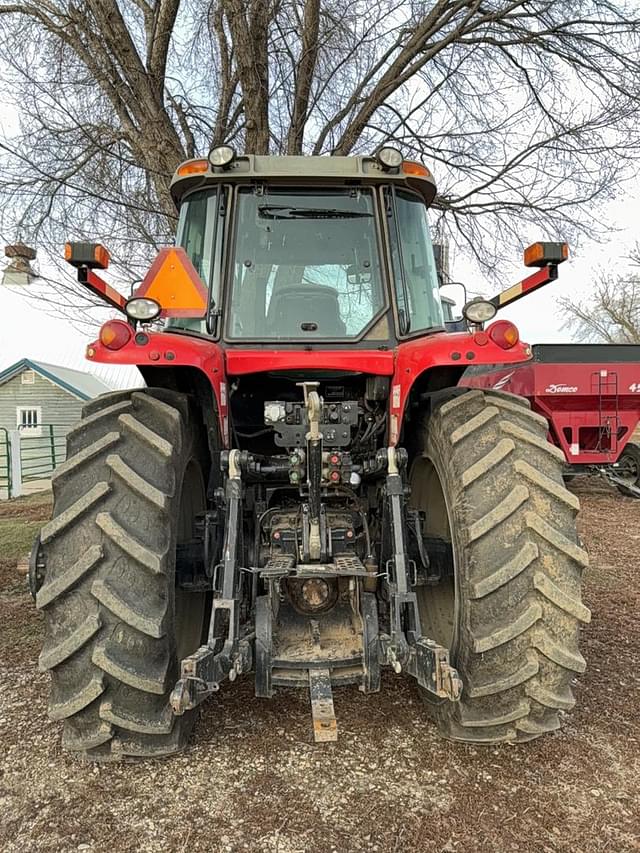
point(174, 283)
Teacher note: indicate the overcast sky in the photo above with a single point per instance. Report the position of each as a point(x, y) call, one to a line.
point(538, 315)
point(29, 331)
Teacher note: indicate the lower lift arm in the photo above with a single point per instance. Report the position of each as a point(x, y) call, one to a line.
point(227, 653)
point(405, 647)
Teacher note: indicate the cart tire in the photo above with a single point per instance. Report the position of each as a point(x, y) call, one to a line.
point(116, 624)
point(630, 459)
point(491, 483)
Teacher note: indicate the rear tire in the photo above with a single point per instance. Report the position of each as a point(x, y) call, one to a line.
point(490, 482)
point(116, 626)
point(629, 466)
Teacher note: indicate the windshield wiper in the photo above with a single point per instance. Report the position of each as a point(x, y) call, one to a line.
point(275, 211)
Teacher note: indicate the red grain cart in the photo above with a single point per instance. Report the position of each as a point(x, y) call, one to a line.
point(590, 394)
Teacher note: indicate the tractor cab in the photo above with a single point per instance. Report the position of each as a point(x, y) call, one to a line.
point(296, 250)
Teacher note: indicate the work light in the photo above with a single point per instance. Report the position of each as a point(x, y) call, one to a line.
point(479, 311)
point(142, 309)
point(389, 158)
point(222, 156)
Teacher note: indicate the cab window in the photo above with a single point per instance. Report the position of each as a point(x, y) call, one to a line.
point(414, 267)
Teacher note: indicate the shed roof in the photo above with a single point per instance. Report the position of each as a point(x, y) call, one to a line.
point(77, 382)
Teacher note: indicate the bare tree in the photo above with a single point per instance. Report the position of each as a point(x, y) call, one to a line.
point(611, 314)
point(528, 111)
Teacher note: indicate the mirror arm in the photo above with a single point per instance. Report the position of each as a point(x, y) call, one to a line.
point(100, 288)
point(532, 282)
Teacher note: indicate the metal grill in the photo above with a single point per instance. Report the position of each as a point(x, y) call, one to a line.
point(40, 455)
point(278, 566)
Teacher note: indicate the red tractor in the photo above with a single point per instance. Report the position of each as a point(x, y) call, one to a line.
point(301, 490)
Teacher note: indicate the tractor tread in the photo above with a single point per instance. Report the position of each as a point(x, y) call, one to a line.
point(520, 565)
point(108, 593)
point(81, 741)
point(461, 400)
point(158, 411)
point(502, 449)
point(139, 485)
point(148, 681)
point(510, 631)
point(556, 596)
point(550, 699)
point(57, 652)
point(521, 710)
point(95, 418)
point(506, 573)
point(127, 543)
point(500, 512)
point(60, 709)
point(509, 397)
point(105, 402)
point(508, 405)
point(556, 539)
point(73, 513)
point(147, 746)
point(532, 726)
point(70, 465)
point(532, 438)
point(523, 674)
point(557, 653)
point(161, 725)
point(473, 424)
point(146, 435)
point(52, 589)
point(482, 735)
point(151, 625)
point(557, 490)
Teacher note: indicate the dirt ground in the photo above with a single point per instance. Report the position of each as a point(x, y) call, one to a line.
point(252, 779)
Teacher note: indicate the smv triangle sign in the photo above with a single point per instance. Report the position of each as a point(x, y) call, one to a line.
point(175, 285)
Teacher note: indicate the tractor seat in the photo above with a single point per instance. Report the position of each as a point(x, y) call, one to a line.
point(295, 306)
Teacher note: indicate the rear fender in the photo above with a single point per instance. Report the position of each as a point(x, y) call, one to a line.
point(175, 361)
point(437, 361)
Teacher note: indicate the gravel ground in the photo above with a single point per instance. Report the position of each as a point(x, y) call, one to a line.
point(252, 779)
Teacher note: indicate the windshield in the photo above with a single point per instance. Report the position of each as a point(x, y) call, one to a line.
point(414, 266)
point(306, 264)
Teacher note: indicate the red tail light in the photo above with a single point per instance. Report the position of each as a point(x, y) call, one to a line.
point(115, 334)
point(504, 333)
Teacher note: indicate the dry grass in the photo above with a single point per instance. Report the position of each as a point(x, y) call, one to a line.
point(253, 781)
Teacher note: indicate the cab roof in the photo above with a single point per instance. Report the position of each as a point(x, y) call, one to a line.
point(300, 170)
